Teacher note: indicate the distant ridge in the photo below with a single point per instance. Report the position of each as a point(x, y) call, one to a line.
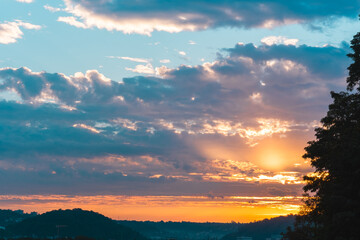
point(71, 223)
point(262, 229)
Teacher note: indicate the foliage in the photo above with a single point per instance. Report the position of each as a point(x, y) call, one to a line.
point(332, 193)
point(9, 216)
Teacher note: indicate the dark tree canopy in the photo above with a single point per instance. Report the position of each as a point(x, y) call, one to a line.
point(331, 208)
point(354, 68)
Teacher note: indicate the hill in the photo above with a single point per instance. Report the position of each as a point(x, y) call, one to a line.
point(262, 229)
point(71, 223)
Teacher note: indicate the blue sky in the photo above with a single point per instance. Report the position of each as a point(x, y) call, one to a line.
point(166, 98)
point(51, 47)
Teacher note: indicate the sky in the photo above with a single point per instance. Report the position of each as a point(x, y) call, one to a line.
point(166, 110)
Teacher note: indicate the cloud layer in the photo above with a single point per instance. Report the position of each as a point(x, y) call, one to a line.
point(174, 16)
point(203, 124)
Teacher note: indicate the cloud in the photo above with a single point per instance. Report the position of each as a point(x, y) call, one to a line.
point(271, 40)
point(72, 21)
point(142, 69)
point(52, 9)
point(10, 32)
point(318, 60)
point(139, 60)
point(165, 61)
point(147, 131)
point(137, 17)
point(25, 1)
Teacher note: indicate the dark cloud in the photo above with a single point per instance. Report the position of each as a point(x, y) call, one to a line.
point(176, 16)
point(323, 61)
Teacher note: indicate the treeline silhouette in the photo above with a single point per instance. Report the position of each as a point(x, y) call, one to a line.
point(8, 217)
point(262, 230)
point(67, 238)
point(70, 224)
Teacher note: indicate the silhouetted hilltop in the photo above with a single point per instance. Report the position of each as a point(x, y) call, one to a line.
point(262, 229)
point(88, 224)
point(71, 223)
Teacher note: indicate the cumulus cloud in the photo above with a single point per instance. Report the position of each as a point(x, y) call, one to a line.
point(149, 130)
point(137, 17)
point(10, 32)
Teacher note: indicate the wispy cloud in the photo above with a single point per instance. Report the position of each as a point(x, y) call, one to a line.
point(25, 1)
point(139, 60)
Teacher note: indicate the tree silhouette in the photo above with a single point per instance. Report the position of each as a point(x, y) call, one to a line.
point(331, 208)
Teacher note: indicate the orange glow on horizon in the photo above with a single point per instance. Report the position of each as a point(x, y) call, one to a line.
point(167, 208)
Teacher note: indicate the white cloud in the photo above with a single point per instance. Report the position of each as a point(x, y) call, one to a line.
point(10, 32)
point(192, 42)
point(182, 53)
point(73, 22)
point(145, 69)
point(271, 40)
point(86, 18)
point(139, 60)
point(165, 61)
point(25, 1)
point(52, 9)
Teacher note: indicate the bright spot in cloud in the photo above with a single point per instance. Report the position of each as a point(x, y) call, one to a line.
point(256, 97)
point(87, 127)
point(271, 40)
